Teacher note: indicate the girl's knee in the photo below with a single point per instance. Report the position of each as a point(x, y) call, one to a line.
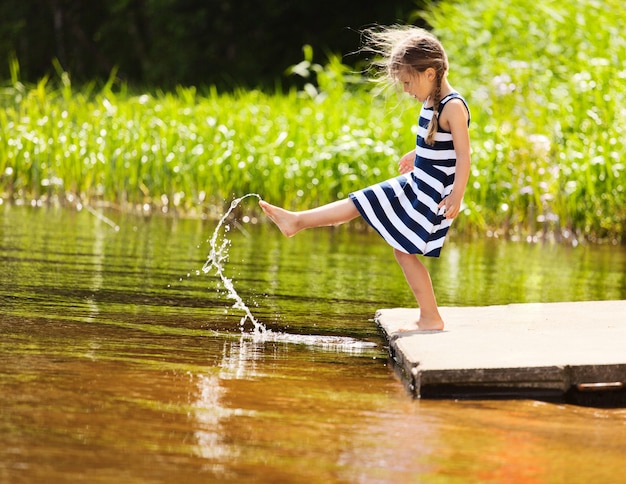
point(407, 261)
point(402, 256)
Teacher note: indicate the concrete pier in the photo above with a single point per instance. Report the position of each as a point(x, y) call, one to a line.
point(574, 351)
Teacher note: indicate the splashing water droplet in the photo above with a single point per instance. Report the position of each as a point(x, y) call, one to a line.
point(216, 259)
point(218, 255)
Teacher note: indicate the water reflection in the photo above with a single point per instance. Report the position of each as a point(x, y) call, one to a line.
point(239, 357)
point(97, 260)
point(119, 366)
point(209, 410)
point(494, 272)
point(209, 414)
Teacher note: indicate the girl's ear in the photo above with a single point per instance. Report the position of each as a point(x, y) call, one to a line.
point(431, 74)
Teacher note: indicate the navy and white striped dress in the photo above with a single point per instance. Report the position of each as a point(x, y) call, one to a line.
point(404, 210)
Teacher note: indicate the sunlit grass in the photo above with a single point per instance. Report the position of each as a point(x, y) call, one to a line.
point(188, 151)
point(546, 84)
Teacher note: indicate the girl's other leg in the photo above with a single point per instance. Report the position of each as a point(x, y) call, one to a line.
point(420, 283)
point(290, 223)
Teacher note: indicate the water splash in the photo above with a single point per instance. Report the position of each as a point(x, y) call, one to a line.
point(216, 259)
point(344, 344)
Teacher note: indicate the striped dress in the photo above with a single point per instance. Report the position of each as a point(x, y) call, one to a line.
point(404, 210)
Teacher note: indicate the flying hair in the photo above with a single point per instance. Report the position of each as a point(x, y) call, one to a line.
point(399, 49)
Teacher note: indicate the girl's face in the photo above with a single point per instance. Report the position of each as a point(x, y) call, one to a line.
point(419, 85)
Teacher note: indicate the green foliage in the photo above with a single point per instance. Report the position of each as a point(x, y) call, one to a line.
point(189, 42)
point(546, 81)
point(190, 152)
point(545, 86)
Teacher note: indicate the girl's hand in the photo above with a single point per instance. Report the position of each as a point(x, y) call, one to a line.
point(406, 163)
point(451, 205)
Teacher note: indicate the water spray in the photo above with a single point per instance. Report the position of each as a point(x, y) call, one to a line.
point(218, 255)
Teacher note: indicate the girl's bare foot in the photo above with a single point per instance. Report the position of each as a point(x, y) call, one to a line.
point(424, 324)
point(285, 220)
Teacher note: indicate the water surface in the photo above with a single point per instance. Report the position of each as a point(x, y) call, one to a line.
point(123, 362)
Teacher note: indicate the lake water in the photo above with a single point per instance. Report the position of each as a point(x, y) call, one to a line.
point(122, 361)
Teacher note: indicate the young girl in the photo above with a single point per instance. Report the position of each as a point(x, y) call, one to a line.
point(413, 211)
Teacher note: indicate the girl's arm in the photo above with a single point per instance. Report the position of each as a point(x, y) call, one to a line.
point(454, 119)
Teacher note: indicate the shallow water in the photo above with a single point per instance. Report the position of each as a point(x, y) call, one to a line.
point(123, 362)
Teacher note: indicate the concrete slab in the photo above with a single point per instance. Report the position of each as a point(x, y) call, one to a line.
point(549, 349)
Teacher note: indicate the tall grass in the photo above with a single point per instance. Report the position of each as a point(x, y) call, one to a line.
point(190, 152)
point(546, 84)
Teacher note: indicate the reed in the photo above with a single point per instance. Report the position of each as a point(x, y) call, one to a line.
point(546, 88)
point(547, 84)
point(187, 151)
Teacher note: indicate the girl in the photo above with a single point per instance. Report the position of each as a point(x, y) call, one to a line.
point(413, 211)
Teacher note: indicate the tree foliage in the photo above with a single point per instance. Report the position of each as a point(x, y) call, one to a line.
point(247, 43)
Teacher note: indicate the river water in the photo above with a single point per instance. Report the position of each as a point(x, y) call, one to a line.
point(122, 361)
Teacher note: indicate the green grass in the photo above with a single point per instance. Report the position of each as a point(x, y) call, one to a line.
point(546, 84)
point(191, 152)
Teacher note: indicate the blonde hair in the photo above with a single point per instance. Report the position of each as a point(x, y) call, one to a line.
point(400, 49)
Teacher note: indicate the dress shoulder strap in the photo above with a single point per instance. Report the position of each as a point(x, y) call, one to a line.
point(453, 95)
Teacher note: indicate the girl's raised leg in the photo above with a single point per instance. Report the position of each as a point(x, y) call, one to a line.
point(290, 223)
point(420, 283)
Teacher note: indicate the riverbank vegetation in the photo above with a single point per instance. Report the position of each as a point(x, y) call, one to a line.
point(546, 84)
